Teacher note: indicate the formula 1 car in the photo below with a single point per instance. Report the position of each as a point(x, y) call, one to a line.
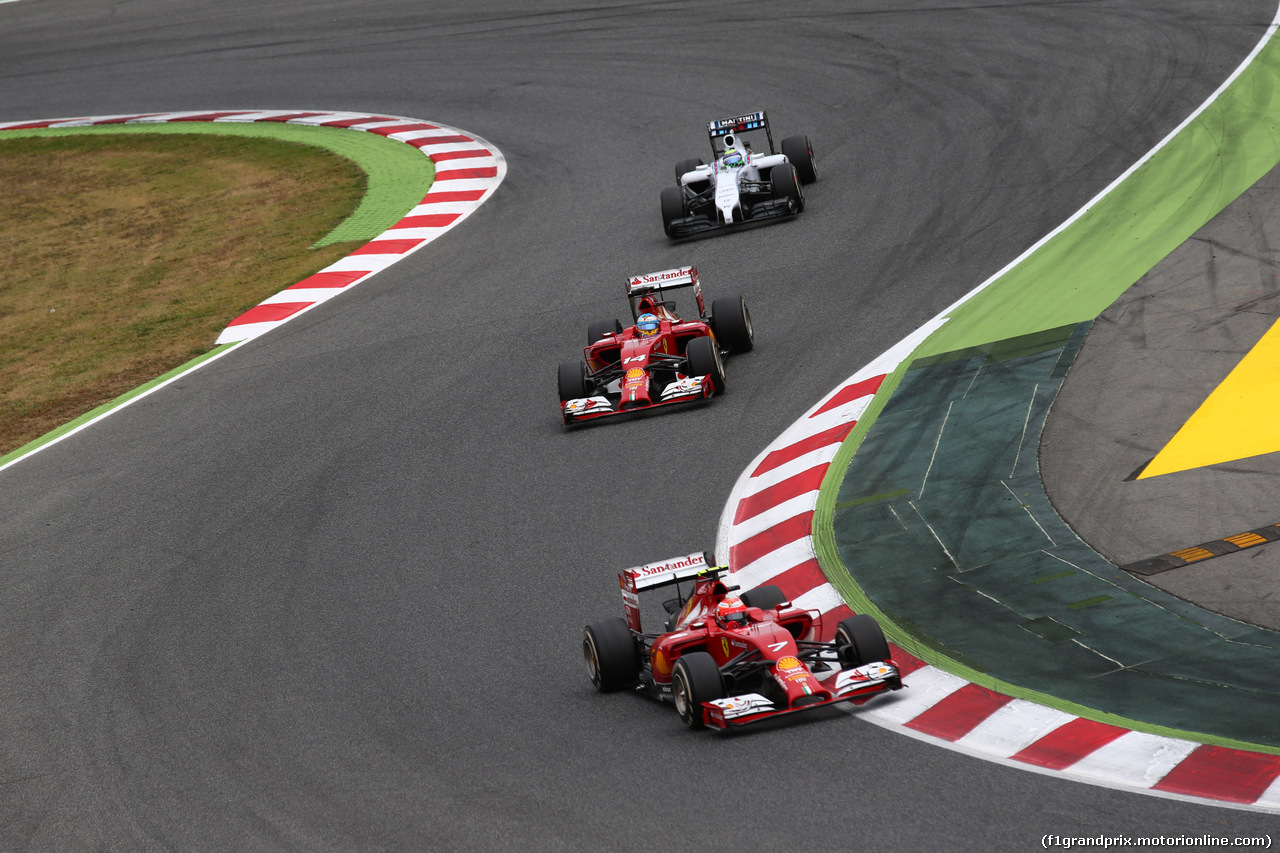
point(726, 661)
point(742, 185)
point(661, 359)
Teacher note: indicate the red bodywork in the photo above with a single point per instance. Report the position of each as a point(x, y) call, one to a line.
point(635, 354)
point(776, 656)
point(648, 369)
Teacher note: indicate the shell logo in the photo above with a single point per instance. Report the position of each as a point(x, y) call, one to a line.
point(660, 664)
point(789, 663)
point(635, 373)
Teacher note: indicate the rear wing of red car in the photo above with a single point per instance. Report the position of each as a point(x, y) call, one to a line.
point(662, 573)
point(664, 280)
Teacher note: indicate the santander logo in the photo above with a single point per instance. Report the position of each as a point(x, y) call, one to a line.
point(665, 275)
point(671, 565)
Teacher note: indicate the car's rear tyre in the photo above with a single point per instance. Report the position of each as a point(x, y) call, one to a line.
point(702, 358)
point(785, 184)
point(765, 597)
point(732, 322)
point(687, 165)
point(600, 328)
point(572, 379)
point(611, 654)
point(694, 680)
point(672, 207)
point(860, 641)
point(800, 152)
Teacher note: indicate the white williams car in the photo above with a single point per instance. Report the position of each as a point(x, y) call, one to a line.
point(747, 181)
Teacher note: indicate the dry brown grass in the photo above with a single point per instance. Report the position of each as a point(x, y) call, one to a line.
point(125, 256)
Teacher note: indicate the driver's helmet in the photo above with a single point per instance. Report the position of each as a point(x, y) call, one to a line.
point(733, 159)
point(731, 612)
point(648, 324)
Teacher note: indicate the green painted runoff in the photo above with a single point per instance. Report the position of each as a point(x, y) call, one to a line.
point(1077, 274)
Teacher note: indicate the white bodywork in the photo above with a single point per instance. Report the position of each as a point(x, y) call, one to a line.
point(728, 180)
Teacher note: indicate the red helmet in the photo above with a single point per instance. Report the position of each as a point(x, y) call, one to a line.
point(731, 612)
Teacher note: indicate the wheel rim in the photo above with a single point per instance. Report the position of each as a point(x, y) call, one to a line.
point(592, 658)
point(843, 639)
point(680, 693)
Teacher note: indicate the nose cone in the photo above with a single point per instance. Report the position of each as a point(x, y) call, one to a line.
point(727, 195)
point(801, 687)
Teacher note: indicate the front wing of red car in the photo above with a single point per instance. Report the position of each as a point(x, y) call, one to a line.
point(855, 685)
point(686, 389)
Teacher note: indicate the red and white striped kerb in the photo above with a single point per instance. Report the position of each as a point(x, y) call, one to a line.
point(766, 531)
point(468, 170)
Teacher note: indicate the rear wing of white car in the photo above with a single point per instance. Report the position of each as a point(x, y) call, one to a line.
point(647, 284)
point(662, 573)
point(727, 132)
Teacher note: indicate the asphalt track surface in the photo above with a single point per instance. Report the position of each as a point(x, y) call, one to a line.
point(326, 592)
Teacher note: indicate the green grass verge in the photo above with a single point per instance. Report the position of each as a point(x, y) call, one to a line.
point(399, 175)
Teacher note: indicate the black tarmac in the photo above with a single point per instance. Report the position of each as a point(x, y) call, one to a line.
point(327, 592)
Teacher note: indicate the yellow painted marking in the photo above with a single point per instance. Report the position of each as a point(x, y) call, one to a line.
point(1192, 554)
point(1238, 420)
point(1245, 540)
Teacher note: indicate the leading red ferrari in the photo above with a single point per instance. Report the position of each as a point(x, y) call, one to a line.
point(727, 660)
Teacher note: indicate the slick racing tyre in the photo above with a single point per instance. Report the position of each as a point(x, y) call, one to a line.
point(702, 358)
point(860, 641)
point(613, 660)
point(687, 165)
point(732, 322)
point(694, 680)
point(572, 379)
point(800, 153)
point(672, 207)
point(764, 597)
point(784, 183)
point(600, 328)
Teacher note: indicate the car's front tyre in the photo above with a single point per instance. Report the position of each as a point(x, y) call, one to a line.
point(860, 641)
point(694, 680)
point(672, 207)
point(784, 183)
point(572, 379)
point(702, 358)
